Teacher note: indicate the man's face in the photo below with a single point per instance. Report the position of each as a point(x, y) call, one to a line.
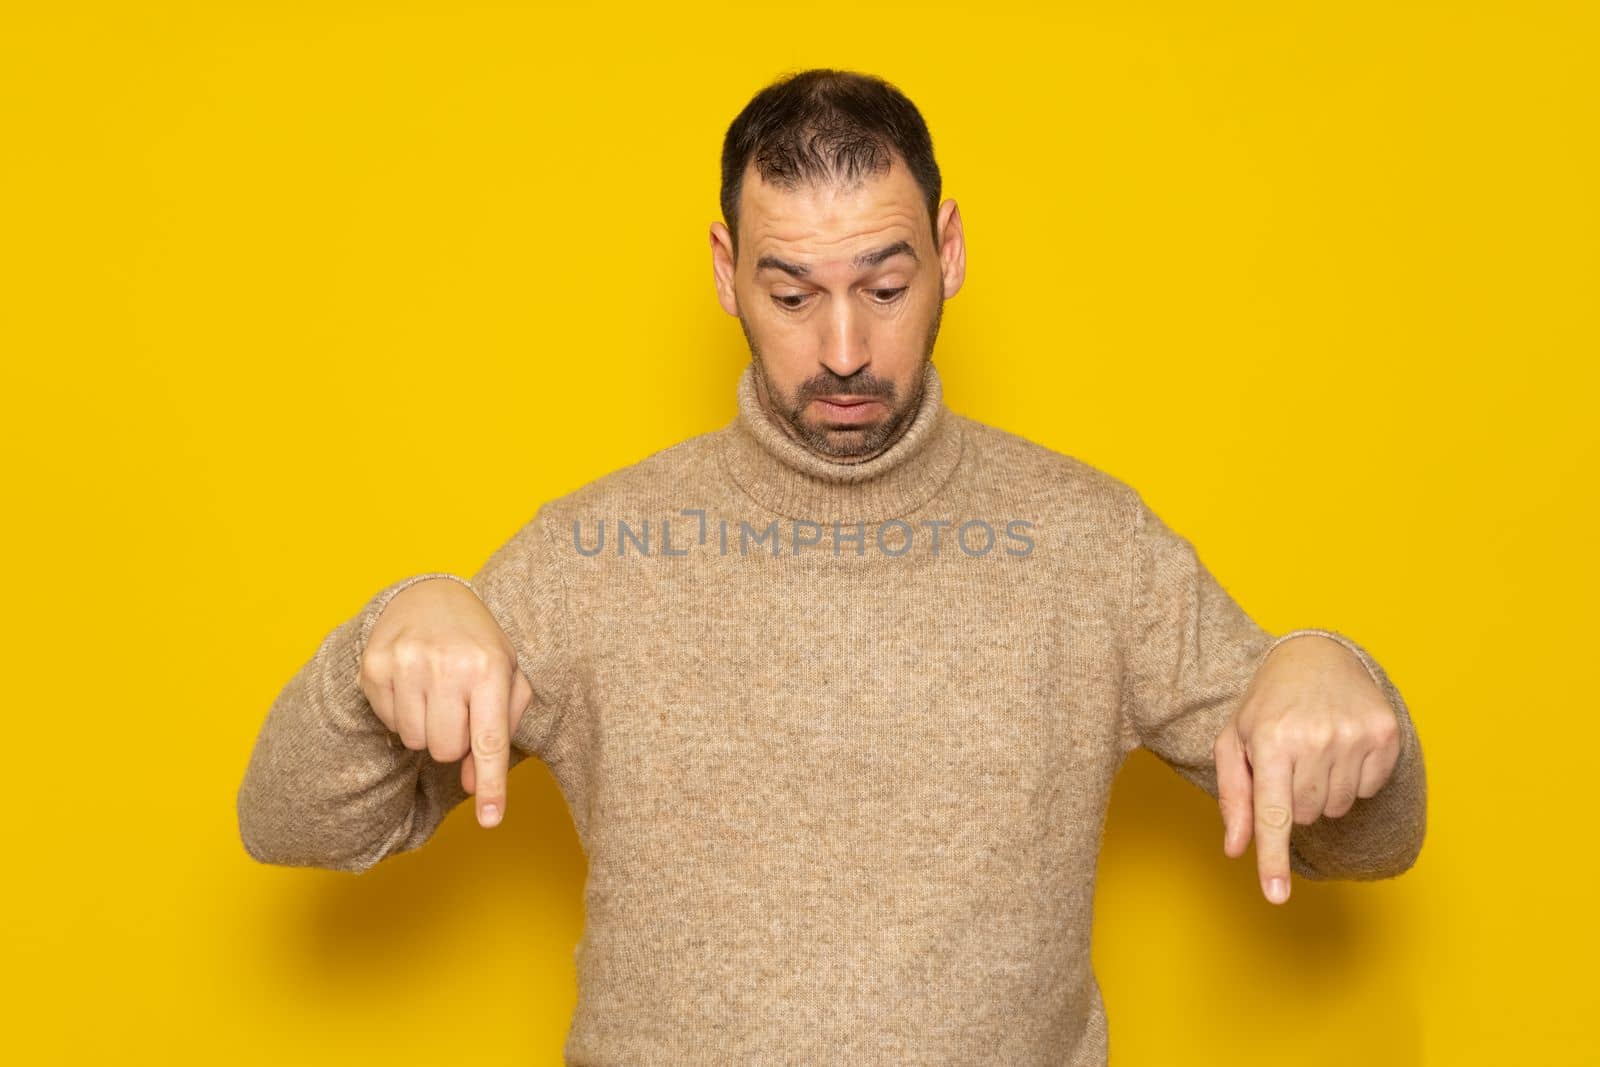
point(839, 291)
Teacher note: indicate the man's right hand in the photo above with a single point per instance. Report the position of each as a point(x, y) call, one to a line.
point(440, 672)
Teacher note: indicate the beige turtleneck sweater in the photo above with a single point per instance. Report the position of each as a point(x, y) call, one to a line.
point(838, 757)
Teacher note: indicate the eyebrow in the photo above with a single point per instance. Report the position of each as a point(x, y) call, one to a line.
point(865, 259)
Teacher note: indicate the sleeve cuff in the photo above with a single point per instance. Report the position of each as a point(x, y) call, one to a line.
point(381, 600)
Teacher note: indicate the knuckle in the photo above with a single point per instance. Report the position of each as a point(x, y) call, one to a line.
point(1387, 728)
point(1300, 734)
point(1280, 737)
point(467, 661)
point(375, 667)
point(491, 788)
point(489, 742)
point(1275, 816)
point(407, 655)
point(1317, 736)
point(445, 751)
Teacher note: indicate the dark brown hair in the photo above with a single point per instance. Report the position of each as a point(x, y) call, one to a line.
point(826, 125)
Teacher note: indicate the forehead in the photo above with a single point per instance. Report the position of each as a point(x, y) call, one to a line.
point(829, 222)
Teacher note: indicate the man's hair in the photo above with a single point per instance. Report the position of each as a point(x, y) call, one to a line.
point(825, 125)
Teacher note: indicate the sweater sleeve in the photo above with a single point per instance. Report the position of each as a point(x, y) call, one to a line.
point(1191, 654)
point(329, 785)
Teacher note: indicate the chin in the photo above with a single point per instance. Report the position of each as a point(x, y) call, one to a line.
point(848, 443)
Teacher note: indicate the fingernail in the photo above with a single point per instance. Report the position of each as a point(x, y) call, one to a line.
point(1278, 890)
point(491, 815)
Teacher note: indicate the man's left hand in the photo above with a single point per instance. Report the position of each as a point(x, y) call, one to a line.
point(1313, 733)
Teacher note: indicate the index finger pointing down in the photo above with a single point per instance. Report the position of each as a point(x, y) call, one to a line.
point(490, 716)
point(1274, 812)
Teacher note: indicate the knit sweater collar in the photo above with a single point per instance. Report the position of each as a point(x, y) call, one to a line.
point(784, 476)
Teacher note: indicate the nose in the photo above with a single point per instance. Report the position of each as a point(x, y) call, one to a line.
point(844, 340)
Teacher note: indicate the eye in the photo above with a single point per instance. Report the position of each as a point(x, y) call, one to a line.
point(790, 301)
point(888, 296)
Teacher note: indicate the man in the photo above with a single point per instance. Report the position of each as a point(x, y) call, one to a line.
point(836, 693)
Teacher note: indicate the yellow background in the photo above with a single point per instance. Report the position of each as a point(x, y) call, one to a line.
point(302, 298)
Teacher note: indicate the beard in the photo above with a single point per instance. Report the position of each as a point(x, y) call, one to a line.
point(851, 444)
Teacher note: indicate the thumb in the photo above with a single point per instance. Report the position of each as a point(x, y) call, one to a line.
point(1235, 793)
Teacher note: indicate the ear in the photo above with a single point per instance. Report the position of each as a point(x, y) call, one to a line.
point(952, 248)
point(722, 267)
